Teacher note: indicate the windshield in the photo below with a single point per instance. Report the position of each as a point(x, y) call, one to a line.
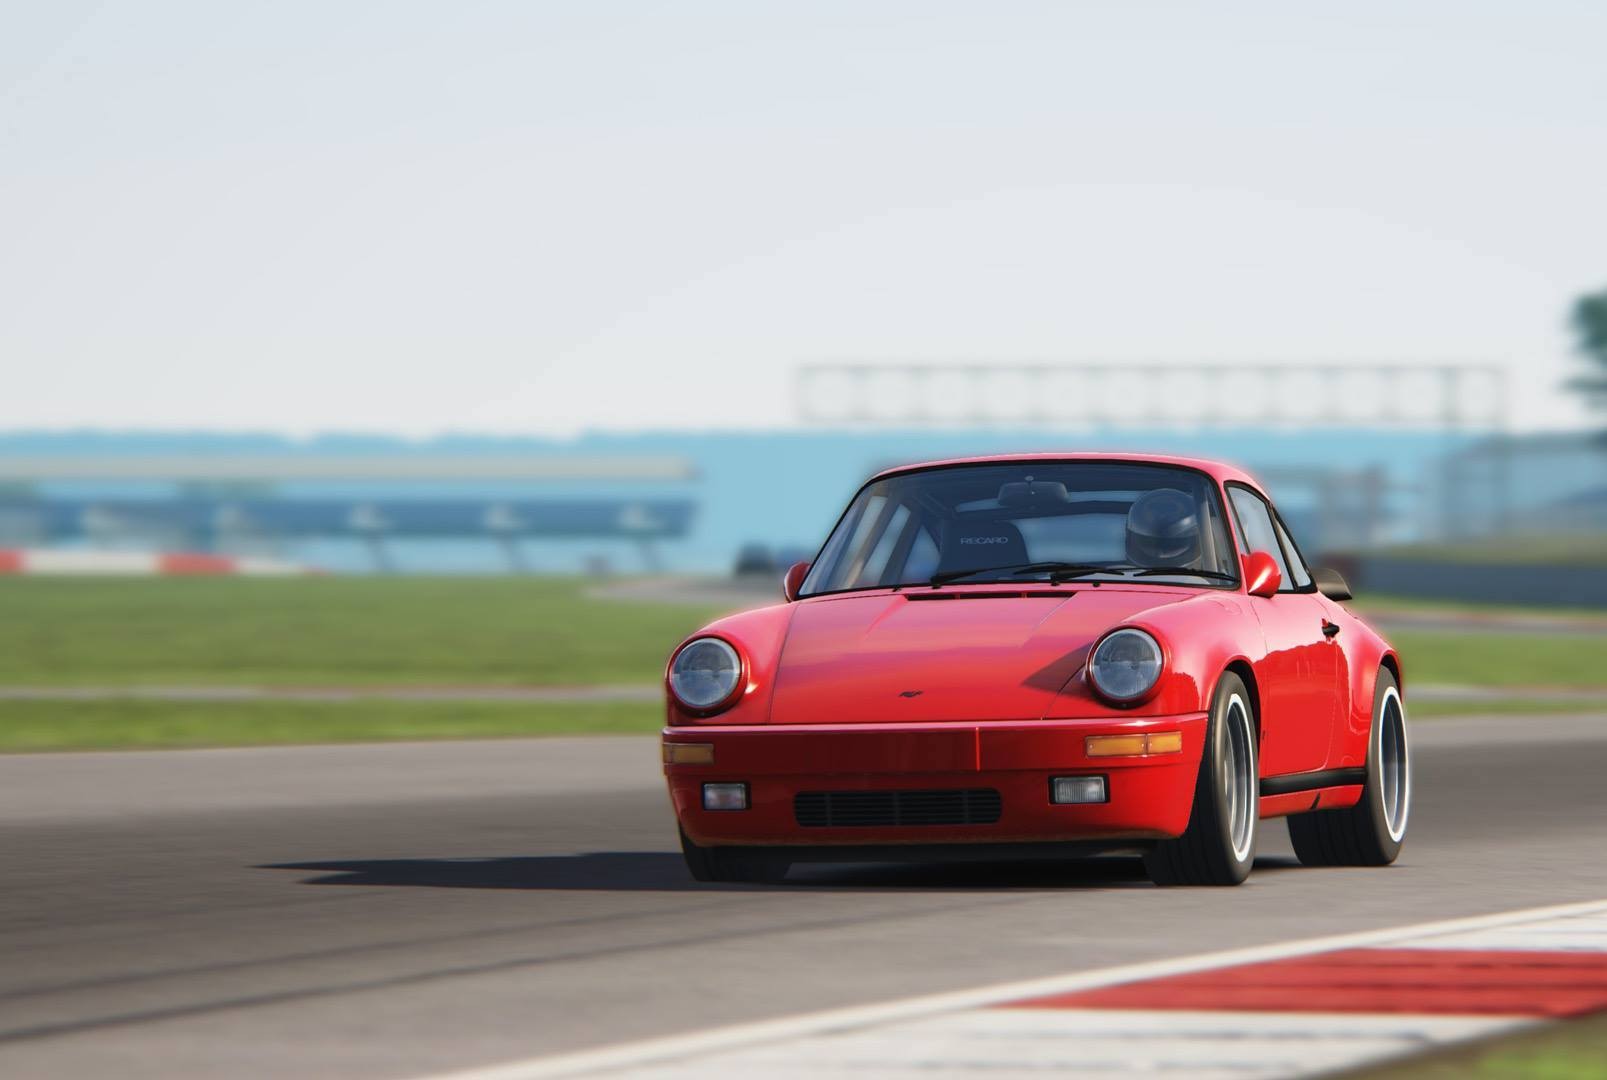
point(1029, 520)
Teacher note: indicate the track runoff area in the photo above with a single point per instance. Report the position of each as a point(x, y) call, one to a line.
point(1301, 1008)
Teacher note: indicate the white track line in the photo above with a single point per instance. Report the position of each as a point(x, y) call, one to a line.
point(1089, 1044)
point(650, 1051)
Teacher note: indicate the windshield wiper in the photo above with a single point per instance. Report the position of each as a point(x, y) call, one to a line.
point(1153, 571)
point(1064, 571)
point(1056, 570)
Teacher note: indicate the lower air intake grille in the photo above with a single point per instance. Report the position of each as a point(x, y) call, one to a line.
point(838, 809)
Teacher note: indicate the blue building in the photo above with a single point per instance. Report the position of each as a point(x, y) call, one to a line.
point(687, 501)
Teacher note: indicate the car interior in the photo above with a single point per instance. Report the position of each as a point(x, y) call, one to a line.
point(911, 527)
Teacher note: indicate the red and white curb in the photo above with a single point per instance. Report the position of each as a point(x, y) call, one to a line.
point(44, 561)
point(1295, 1009)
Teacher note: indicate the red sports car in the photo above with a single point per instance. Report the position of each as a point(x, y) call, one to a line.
point(1046, 654)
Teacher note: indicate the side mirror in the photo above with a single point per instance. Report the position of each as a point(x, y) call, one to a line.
point(1331, 583)
point(793, 580)
point(1261, 576)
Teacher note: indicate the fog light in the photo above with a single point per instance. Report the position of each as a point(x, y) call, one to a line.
point(1077, 789)
point(688, 753)
point(1156, 742)
point(725, 796)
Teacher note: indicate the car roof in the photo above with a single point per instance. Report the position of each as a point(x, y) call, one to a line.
point(1217, 470)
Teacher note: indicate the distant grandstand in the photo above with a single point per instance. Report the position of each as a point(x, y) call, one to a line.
point(408, 467)
point(694, 501)
point(1103, 395)
point(253, 502)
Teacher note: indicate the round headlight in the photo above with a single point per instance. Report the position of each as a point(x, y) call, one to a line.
point(706, 673)
point(1125, 665)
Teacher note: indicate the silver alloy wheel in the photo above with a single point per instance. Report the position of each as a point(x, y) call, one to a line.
point(1239, 779)
point(1394, 764)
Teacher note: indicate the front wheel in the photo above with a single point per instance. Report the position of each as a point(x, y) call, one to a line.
point(1371, 832)
point(1218, 847)
point(733, 864)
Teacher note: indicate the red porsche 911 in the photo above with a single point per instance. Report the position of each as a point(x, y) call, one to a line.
point(1048, 655)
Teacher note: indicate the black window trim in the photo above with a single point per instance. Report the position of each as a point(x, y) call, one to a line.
point(1279, 534)
point(1222, 507)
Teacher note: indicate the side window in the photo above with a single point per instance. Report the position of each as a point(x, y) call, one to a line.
point(1258, 532)
point(1297, 569)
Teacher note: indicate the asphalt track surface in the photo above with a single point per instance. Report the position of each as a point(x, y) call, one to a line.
point(399, 910)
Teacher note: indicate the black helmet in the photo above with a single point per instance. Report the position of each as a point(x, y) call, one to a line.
point(1163, 529)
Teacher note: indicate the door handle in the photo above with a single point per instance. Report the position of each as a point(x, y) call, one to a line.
point(1329, 629)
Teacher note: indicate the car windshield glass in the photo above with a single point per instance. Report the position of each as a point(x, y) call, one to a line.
point(1017, 521)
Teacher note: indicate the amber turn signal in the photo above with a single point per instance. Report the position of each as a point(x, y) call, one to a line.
point(688, 753)
point(1155, 742)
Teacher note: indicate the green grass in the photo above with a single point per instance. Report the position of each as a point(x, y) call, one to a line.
point(1427, 709)
point(139, 724)
point(1576, 1050)
point(1432, 656)
point(1514, 659)
point(456, 631)
point(126, 725)
point(329, 631)
point(1548, 549)
point(484, 631)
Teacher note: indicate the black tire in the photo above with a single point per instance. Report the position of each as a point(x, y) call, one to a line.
point(754, 865)
point(1218, 847)
point(1371, 832)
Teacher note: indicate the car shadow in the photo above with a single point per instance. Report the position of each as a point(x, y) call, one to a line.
point(1273, 863)
point(614, 871)
point(654, 871)
point(1098, 873)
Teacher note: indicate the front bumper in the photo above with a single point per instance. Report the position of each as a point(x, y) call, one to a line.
point(1148, 798)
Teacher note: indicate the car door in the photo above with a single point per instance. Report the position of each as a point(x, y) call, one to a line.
point(1296, 679)
point(1333, 619)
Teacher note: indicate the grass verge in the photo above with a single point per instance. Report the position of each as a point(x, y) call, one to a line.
point(27, 726)
point(466, 631)
point(329, 631)
point(1427, 709)
point(1575, 1050)
point(133, 725)
point(1573, 660)
point(1535, 549)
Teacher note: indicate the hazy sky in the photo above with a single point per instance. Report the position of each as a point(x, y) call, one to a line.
point(543, 217)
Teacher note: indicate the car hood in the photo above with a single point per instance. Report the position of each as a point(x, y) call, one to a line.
point(943, 655)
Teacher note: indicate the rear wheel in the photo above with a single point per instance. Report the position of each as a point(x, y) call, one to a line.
point(733, 863)
point(1218, 847)
point(1371, 832)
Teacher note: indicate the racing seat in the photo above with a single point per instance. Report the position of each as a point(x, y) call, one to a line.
point(977, 545)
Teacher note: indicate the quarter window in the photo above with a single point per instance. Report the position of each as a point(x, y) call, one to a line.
point(1297, 569)
point(1258, 533)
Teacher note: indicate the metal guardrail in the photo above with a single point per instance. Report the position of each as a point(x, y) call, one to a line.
point(1442, 396)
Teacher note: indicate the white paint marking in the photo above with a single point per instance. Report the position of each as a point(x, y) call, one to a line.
point(839, 1022)
point(1092, 1043)
point(1575, 933)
